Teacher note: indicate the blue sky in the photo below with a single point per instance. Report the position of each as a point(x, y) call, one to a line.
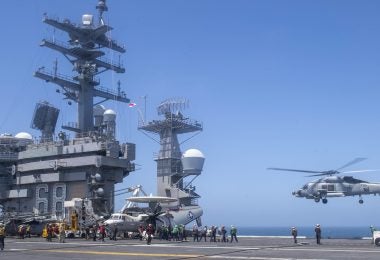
point(292, 84)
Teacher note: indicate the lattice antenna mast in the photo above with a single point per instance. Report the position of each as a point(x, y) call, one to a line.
point(84, 51)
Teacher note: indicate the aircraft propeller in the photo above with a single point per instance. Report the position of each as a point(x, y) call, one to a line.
point(153, 217)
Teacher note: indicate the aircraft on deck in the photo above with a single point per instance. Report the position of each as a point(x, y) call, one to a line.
point(129, 219)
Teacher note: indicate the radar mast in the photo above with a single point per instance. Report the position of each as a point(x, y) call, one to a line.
point(170, 170)
point(84, 50)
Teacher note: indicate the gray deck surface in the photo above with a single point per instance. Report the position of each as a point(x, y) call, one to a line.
point(247, 248)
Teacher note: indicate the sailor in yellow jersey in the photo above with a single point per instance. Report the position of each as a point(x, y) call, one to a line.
point(2, 236)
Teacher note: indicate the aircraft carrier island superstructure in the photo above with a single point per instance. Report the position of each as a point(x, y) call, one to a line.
point(39, 177)
point(176, 171)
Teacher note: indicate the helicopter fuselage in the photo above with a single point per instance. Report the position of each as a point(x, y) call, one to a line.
point(336, 186)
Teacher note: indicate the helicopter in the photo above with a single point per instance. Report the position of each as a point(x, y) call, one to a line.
point(334, 186)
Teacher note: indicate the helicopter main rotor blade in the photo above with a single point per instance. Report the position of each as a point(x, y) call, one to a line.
point(322, 174)
point(356, 160)
point(293, 170)
point(360, 171)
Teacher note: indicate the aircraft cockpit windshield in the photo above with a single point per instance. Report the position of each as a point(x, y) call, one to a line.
point(305, 187)
point(352, 180)
point(115, 217)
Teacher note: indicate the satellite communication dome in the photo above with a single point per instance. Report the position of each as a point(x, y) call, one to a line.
point(24, 135)
point(109, 112)
point(99, 110)
point(193, 153)
point(192, 161)
point(109, 115)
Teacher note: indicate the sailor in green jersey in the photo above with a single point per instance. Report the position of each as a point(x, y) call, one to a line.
point(233, 233)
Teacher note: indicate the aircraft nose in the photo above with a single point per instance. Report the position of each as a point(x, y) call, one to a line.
point(297, 193)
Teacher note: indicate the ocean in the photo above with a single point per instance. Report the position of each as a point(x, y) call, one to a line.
point(327, 232)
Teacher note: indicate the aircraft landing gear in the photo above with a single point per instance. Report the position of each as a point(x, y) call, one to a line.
point(317, 200)
point(324, 201)
point(361, 201)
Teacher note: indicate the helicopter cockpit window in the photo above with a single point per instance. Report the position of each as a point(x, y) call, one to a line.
point(304, 187)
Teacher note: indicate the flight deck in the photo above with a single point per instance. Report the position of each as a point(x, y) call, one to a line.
point(248, 248)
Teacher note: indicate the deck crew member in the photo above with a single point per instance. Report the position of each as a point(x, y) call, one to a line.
point(233, 233)
point(294, 234)
point(2, 236)
point(318, 233)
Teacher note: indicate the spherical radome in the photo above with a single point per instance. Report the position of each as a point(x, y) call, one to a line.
point(109, 112)
point(193, 153)
point(24, 135)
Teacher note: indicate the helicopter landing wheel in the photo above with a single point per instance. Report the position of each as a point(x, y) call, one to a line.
point(324, 201)
point(361, 201)
point(317, 200)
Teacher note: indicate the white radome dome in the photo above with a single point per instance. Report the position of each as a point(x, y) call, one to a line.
point(193, 153)
point(109, 112)
point(24, 135)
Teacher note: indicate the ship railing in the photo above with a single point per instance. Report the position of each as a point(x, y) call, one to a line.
point(185, 121)
point(8, 141)
point(57, 75)
point(68, 46)
point(57, 19)
point(118, 64)
point(67, 21)
point(111, 91)
point(8, 156)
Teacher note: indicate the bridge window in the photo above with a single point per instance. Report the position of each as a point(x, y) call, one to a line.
point(59, 192)
point(58, 206)
point(41, 207)
point(42, 193)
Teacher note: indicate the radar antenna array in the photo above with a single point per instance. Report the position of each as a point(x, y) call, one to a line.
point(172, 106)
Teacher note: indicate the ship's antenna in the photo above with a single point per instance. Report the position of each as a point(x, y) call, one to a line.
point(55, 67)
point(102, 8)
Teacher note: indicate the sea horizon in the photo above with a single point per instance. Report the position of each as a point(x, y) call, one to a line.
point(329, 232)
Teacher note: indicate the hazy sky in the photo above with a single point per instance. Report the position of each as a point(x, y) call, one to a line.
point(292, 84)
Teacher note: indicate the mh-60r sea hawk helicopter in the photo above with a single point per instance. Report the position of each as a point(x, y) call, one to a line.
point(335, 186)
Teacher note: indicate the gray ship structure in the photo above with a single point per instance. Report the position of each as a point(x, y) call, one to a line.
point(176, 171)
point(56, 173)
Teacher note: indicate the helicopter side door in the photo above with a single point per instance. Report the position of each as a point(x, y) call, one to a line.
point(325, 188)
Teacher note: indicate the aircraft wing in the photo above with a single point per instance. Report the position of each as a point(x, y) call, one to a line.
point(149, 199)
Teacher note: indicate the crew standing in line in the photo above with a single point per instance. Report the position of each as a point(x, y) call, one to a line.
point(62, 233)
point(223, 231)
point(28, 231)
point(294, 234)
point(318, 233)
point(49, 231)
point(203, 234)
point(195, 233)
point(149, 232)
point(2, 236)
point(233, 233)
point(372, 231)
point(102, 232)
